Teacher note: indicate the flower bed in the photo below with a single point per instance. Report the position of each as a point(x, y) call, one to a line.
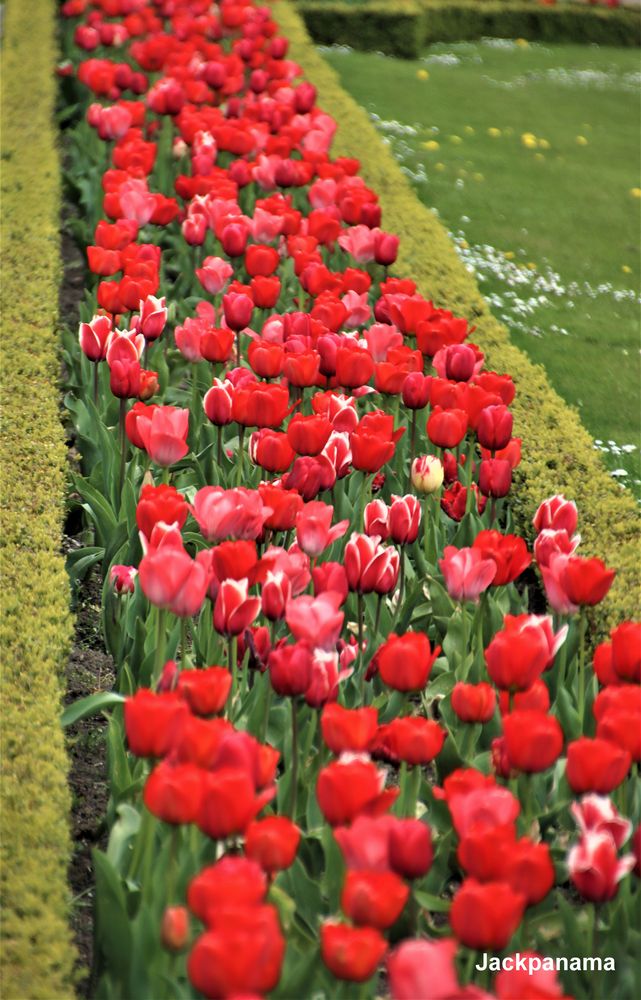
point(334, 698)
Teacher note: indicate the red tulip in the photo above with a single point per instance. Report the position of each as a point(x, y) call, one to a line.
point(275, 595)
point(153, 316)
point(290, 669)
point(217, 402)
point(509, 552)
point(94, 336)
point(533, 699)
point(354, 366)
point(528, 869)
point(346, 789)
point(404, 519)
point(218, 965)
point(233, 880)
point(376, 519)
point(495, 477)
point(626, 651)
point(370, 566)
point(173, 792)
point(446, 428)
point(374, 441)
point(229, 802)
point(205, 690)
point(373, 899)
point(517, 655)
point(271, 450)
point(261, 260)
point(164, 434)
point(174, 929)
point(351, 953)
point(256, 404)
point(533, 740)
point(485, 916)
point(473, 702)
point(265, 358)
point(586, 581)
point(348, 729)
point(308, 435)
point(484, 806)
point(238, 309)
point(596, 765)
point(410, 848)
point(151, 720)
point(272, 842)
point(330, 576)
point(483, 851)
point(170, 578)
point(595, 868)
point(234, 611)
point(494, 428)
point(467, 574)
point(527, 981)
point(404, 661)
point(411, 739)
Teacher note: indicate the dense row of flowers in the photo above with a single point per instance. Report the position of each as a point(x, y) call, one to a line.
point(342, 743)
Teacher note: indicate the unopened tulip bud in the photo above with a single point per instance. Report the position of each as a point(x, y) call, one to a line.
point(427, 474)
point(123, 579)
point(149, 384)
point(174, 930)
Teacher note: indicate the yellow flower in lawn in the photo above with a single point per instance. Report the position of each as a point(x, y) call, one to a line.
point(456, 140)
point(635, 192)
point(531, 266)
point(464, 244)
point(522, 43)
point(422, 74)
point(626, 269)
point(439, 166)
point(581, 140)
point(494, 133)
point(509, 254)
point(431, 145)
point(469, 130)
point(544, 144)
point(529, 140)
point(478, 177)
point(461, 172)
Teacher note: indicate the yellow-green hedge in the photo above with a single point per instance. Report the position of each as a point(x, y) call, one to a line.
point(558, 453)
point(37, 952)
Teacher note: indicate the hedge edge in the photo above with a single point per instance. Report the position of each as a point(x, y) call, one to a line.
point(37, 952)
point(558, 453)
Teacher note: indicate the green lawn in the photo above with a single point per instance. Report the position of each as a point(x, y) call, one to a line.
point(531, 154)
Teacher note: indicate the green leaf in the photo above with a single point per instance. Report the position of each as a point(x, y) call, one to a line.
point(91, 705)
point(125, 827)
point(113, 929)
point(432, 903)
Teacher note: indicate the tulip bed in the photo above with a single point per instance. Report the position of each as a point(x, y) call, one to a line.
point(349, 748)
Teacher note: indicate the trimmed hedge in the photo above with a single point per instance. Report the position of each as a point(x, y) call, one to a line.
point(403, 29)
point(37, 951)
point(558, 453)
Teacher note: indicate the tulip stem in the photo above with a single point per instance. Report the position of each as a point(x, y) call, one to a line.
point(464, 641)
point(95, 384)
point(159, 660)
point(361, 511)
point(582, 630)
point(183, 643)
point(172, 864)
point(294, 762)
point(233, 666)
point(361, 655)
point(427, 527)
point(219, 450)
point(241, 446)
point(123, 445)
point(268, 704)
point(379, 603)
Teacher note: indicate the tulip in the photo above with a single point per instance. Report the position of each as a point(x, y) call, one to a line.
point(467, 574)
point(483, 851)
point(330, 576)
point(416, 390)
point(164, 434)
point(313, 531)
point(214, 274)
point(94, 337)
point(549, 542)
point(308, 435)
point(556, 513)
point(150, 721)
point(509, 552)
point(373, 899)
point(369, 566)
point(325, 678)
point(446, 428)
point(586, 581)
point(410, 848)
point(255, 404)
point(348, 788)
point(533, 740)
point(597, 813)
point(218, 965)
point(216, 344)
point(404, 519)
point(374, 441)
point(423, 969)
point(316, 621)
point(595, 868)
point(174, 929)
point(153, 316)
point(485, 916)
point(290, 669)
point(494, 428)
point(626, 651)
point(234, 611)
point(354, 366)
point(265, 358)
point(272, 842)
point(351, 953)
point(376, 519)
point(160, 503)
point(271, 450)
point(528, 982)
point(171, 579)
point(596, 765)
point(516, 657)
point(495, 477)
point(237, 513)
point(473, 702)
point(206, 690)
point(173, 792)
point(404, 661)
point(481, 807)
point(275, 595)
point(427, 474)
point(528, 869)
point(412, 739)
point(233, 879)
point(533, 699)
point(347, 729)
point(123, 579)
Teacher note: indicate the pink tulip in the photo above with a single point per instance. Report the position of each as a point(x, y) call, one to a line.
point(557, 513)
point(163, 431)
point(237, 513)
point(234, 611)
point(324, 678)
point(550, 542)
point(153, 316)
point(169, 577)
point(404, 519)
point(214, 274)
point(316, 620)
point(422, 968)
point(596, 813)
point(376, 519)
point(313, 531)
point(467, 574)
point(369, 566)
point(94, 337)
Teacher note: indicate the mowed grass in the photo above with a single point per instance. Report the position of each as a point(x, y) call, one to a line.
point(531, 156)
